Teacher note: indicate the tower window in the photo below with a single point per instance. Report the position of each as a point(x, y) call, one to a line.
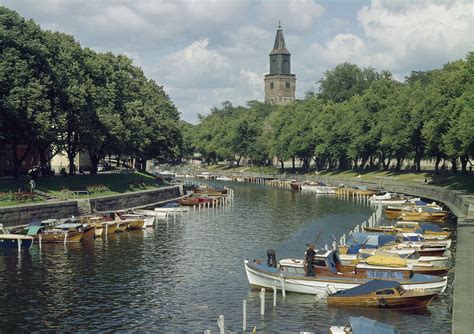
point(272, 85)
point(287, 85)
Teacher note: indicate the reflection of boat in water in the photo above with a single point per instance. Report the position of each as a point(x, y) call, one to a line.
point(363, 325)
point(380, 294)
point(290, 275)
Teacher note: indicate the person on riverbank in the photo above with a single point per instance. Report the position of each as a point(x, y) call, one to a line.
point(309, 259)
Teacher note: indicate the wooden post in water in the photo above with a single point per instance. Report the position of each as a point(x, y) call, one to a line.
point(220, 322)
point(262, 301)
point(244, 320)
point(40, 237)
point(65, 238)
point(275, 294)
point(19, 245)
point(283, 291)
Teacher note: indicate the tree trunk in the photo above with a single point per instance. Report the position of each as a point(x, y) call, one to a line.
point(94, 162)
point(282, 164)
point(399, 162)
point(293, 163)
point(417, 160)
point(356, 163)
point(464, 160)
point(454, 165)
point(438, 160)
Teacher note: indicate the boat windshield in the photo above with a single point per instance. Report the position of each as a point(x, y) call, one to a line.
point(400, 290)
point(415, 256)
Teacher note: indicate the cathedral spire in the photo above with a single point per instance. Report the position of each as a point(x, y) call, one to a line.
point(280, 84)
point(279, 47)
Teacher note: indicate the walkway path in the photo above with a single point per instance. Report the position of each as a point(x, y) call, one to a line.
point(463, 303)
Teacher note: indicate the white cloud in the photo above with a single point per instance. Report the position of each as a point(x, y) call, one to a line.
point(206, 52)
point(295, 15)
point(195, 66)
point(401, 36)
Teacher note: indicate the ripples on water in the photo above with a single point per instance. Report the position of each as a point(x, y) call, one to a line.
point(183, 275)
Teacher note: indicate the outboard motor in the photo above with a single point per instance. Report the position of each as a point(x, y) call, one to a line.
point(271, 258)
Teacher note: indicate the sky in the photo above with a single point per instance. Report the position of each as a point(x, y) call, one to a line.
point(206, 52)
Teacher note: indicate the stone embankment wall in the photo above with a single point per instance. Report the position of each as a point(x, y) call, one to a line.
point(131, 200)
point(20, 215)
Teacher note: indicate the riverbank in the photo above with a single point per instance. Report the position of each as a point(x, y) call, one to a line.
point(23, 214)
point(18, 192)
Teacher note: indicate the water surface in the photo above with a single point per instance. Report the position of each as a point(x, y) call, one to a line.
point(181, 276)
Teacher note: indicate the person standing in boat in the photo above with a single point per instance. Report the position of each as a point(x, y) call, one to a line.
point(309, 258)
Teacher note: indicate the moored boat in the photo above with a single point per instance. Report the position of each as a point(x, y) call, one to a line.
point(290, 275)
point(363, 325)
point(429, 231)
point(295, 185)
point(14, 241)
point(430, 216)
point(380, 294)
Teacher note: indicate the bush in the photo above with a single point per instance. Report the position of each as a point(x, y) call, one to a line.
point(97, 188)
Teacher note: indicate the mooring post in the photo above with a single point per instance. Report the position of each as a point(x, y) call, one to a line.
point(220, 322)
point(40, 237)
point(283, 291)
point(275, 294)
point(262, 301)
point(65, 238)
point(244, 319)
point(19, 245)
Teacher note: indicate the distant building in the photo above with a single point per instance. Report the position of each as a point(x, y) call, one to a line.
point(280, 84)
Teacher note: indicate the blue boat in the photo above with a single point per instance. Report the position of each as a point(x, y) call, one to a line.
point(14, 241)
point(363, 325)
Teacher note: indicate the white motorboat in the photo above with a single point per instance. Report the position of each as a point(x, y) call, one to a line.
point(290, 276)
point(223, 178)
point(149, 220)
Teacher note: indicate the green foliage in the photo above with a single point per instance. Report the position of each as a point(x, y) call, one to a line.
point(360, 119)
point(57, 96)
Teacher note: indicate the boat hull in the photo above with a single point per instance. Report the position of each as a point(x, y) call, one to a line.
point(319, 285)
point(409, 301)
point(59, 237)
point(12, 242)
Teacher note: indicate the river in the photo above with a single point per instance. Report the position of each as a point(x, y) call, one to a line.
point(181, 276)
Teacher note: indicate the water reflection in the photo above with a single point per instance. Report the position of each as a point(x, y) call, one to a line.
point(181, 276)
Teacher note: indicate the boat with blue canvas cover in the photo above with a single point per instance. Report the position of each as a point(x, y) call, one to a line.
point(14, 241)
point(380, 294)
point(363, 325)
point(290, 275)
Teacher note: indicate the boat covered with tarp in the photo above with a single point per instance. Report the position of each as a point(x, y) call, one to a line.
point(380, 294)
point(363, 325)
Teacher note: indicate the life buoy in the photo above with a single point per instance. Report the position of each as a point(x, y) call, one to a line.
point(382, 302)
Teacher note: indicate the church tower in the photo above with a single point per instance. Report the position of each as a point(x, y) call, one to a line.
point(280, 84)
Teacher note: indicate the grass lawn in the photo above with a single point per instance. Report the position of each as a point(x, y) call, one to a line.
point(449, 180)
point(97, 185)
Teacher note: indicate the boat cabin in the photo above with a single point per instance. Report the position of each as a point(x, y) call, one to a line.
point(328, 263)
